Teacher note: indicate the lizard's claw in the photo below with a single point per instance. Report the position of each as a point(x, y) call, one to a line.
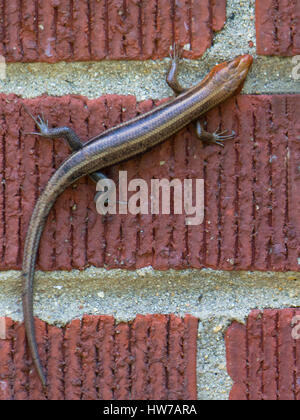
point(220, 137)
point(176, 52)
point(40, 122)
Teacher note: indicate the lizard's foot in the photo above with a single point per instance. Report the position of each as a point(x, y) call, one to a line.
point(55, 133)
point(220, 137)
point(172, 80)
point(176, 52)
point(41, 123)
point(43, 126)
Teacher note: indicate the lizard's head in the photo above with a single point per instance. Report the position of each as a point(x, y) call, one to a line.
point(240, 66)
point(231, 75)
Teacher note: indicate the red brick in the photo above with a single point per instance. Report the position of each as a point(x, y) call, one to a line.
point(178, 253)
point(162, 224)
point(200, 26)
point(269, 344)
point(110, 29)
point(212, 177)
point(2, 186)
point(148, 23)
point(79, 197)
point(229, 191)
point(113, 229)
point(11, 177)
point(293, 227)
point(157, 357)
point(13, 46)
point(64, 32)
point(164, 27)
point(6, 362)
point(2, 28)
point(182, 21)
point(28, 32)
point(193, 167)
point(55, 363)
point(98, 25)
point(140, 347)
point(46, 149)
point(279, 158)
point(262, 356)
point(277, 27)
point(89, 333)
point(46, 32)
point(36, 391)
point(62, 238)
point(219, 14)
point(72, 359)
point(81, 30)
point(132, 39)
point(116, 29)
point(236, 345)
point(153, 357)
point(129, 222)
point(122, 362)
point(175, 366)
point(107, 366)
point(251, 187)
point(245, 240)
point(297, 368)
point(145, 241)
point(190, 356)
point(255, 356)
point(262, 246)
point(286, 356)
point(96, 242)
point(296, 24)
point(20, 365)
point(28, 175)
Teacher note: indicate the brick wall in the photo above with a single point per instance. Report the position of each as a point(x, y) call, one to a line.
point(263, 357)
point(84, 30)
point(153, 357)
point(252, 218)
point(252, 213)
point(278, 27)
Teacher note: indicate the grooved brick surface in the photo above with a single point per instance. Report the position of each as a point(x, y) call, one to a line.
point(252, 187)
point(277, 27)
point(80, 30)
point(153, 357)
point(263, 356)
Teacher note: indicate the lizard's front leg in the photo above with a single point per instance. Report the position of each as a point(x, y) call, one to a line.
point(66, 133)
point(212, 138)
point(172, 80)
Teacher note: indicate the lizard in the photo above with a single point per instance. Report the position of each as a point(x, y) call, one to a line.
point(120, 143)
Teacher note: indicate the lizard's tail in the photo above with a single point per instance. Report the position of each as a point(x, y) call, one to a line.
point(61, 179)
point(35, 230)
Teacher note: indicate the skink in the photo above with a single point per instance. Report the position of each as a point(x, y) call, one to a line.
point(118, 144)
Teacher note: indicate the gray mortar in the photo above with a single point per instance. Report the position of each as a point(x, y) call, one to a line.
point(216, 298)
point(147, 79)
